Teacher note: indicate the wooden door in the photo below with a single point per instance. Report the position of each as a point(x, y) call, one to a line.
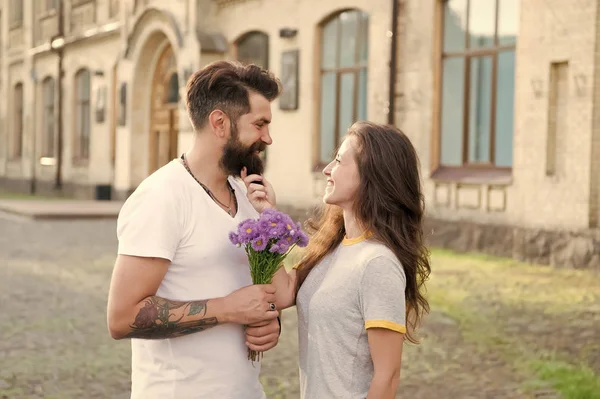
point(164, 126)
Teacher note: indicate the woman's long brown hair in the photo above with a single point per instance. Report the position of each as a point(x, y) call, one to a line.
point(389, 203)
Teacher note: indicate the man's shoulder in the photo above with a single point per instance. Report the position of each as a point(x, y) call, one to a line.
point(165, 185)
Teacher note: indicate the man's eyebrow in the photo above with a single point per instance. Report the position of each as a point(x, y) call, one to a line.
point(263, 120)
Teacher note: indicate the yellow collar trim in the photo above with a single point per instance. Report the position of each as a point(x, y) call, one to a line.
point(352, 241)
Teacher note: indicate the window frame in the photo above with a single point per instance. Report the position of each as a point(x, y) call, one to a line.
point(356, 69)
point(467, 170)
point(114, 7)
point(81, 153)
point(46, 7)
point(49, 119)
point(17, 121)
point(16, 14)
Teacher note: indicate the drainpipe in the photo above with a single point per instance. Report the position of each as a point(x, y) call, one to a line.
point(59, 50)
point(393, 63)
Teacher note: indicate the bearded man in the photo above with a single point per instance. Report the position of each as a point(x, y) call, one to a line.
point(180, 290)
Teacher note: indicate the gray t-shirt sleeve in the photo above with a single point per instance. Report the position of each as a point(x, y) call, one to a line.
point(381, 294)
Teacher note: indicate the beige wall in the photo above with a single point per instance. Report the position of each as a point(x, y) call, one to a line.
point(554, 31)
point(550, 31)
point(31, 63)
point(293, 131)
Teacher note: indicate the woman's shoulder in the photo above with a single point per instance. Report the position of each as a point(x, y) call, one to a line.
point(372, 250)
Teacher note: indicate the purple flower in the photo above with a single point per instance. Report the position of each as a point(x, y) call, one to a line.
point(274, 223)
point(259, 243)
point(247, 231)
point(263, 225)
point(274, 231)
point(282, 246)
point(234, 238)
point(289, 223)
point(277, 230)
point(302, 239)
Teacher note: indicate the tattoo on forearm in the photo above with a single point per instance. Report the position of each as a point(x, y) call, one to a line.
point(197, 307)
point(156, 320)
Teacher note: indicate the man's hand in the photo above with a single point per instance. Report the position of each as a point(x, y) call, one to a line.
point(262, 336)
point(261, 196)
point(251, 304)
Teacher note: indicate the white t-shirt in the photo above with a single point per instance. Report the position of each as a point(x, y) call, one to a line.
point(170, 216)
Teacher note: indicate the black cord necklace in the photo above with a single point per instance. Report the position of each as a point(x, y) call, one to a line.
point(228, 208)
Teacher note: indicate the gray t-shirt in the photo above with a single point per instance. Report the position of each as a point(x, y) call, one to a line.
point(360, 285)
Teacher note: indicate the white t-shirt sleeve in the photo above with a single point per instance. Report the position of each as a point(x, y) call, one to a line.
point(149, 224)
point(382, 295)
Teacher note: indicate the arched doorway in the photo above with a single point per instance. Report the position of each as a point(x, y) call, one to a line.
point(164, 116)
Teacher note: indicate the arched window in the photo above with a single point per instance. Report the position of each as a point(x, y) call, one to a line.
point(17, 123)
point(48, 124)
point(343, 75)
point(81, 149)
point(253, 48)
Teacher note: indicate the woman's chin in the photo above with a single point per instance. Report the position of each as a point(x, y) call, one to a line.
point(327, 199)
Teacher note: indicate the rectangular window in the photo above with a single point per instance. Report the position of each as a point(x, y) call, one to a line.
point(344, 76)
point(17, 133)
point(49, 5)
point(49, 120)
point(557, 115)
point(16, 14)
point(113, 8)
point(82, 114)
point(477, 82)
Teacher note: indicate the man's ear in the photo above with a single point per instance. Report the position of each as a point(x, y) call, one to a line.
point(218, 122)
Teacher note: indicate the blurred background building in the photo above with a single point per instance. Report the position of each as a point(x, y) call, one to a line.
point(500, 97)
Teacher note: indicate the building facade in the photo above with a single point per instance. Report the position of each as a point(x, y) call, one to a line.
point(500, 98)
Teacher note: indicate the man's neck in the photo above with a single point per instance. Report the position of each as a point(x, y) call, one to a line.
point(203, 160)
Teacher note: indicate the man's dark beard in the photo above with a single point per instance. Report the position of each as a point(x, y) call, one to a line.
point(236, 155)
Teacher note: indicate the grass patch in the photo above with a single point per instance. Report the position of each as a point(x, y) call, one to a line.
point(493, 300)
point(573, 382)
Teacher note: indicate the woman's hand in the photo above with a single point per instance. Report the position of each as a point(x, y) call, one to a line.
point(285, 284)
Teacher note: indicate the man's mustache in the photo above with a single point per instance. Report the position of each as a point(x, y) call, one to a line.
point(259, 146)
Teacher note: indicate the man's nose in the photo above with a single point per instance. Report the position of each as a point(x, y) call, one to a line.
point(266, 138)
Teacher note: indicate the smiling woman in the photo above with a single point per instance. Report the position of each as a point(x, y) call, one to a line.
point(359, 284)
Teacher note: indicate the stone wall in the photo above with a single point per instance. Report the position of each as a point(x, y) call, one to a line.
point(562, 249)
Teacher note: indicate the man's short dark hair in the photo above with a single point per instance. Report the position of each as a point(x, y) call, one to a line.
point(226, 85)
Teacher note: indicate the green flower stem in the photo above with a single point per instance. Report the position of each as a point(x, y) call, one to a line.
point(263, 266)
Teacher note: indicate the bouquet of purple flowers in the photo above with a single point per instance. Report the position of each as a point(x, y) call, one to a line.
point(267, 241)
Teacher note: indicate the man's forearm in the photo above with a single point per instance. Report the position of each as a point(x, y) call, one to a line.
point(159, 318)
